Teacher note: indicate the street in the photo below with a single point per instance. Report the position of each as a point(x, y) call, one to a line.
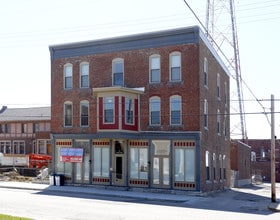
point(245, 203)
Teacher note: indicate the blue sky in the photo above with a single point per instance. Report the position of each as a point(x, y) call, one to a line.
point(28, 28)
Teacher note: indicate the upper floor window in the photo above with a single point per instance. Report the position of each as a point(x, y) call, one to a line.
point(205, 72)
point(84, 109)
point(155, 69)
point(175, 66)
point(218, 122)
point(84, 75)
point(225, 125)
point(226, 94)
point(205, 113)
point(129, 111)
point(109, 106)
point(24, 128)
point(5, 128)
point(36, 127)
point(155, 111)
point(68, 114)
point(175, 110)
point(118, 72)
point(68, 78)
point(207, 163)
point(218, 86)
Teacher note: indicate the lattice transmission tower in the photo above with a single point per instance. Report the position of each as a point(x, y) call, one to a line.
point(222, 32)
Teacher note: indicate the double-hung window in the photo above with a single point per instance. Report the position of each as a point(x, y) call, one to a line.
point(68, 114)
point(205, 72)
point(84, 109)
point(109, 109)
point(155, 111)
point(175, 66)
point(175, 110)
point(118, 72)
point(218, 122)
point(205, 113)
point(218, 86)
point(84, 75)
point(155, 69)
point(68, 78)
point(129, 111)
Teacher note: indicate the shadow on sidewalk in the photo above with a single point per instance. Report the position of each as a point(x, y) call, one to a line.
point(231, 200)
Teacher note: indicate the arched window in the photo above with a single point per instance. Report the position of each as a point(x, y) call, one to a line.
point(175, 110)
point(68, 76)
point(205, 113)
point(218, 86)
point(68, 114)
point(205, 72)
point(84, 113)
point(155, 110)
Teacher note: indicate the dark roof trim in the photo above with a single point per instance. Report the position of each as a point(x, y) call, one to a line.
point(131, 42)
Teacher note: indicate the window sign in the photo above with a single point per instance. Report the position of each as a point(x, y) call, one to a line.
point(72, 155)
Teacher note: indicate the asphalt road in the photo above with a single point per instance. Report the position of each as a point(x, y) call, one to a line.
point(245, 203)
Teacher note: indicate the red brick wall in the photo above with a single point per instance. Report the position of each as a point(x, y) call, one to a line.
point(136, 72)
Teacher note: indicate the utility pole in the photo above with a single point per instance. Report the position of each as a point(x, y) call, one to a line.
point(273, 190)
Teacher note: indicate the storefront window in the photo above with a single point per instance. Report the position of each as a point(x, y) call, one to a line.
point(62, 167)
point(185, 165)
point(139, 163)
point(101, 161)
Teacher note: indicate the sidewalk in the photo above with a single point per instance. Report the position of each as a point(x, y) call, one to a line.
point(97, 191)
point(191, 198)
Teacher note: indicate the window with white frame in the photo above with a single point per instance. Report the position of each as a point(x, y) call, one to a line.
point(205, 113)
point(207, 164)
point(129, 111)
point(175, 110)
point(118, 72)
point(175, 66)
point(155, 69)
point(84, 75)
point(225, 125)
point(5, 128)
point(220, 166)
point(205, 72)
point(225, 166)
point(139, 163)
point(19, 147)
point(5, 147)
point(68, 76)
point(101, 161)
point(109, 106)
point(68, 114)
point(84, 112)
point(226, 94)
point(185, 164)
point(218, 86)
point(214, 166)
point(155, 111)
point(218, 122)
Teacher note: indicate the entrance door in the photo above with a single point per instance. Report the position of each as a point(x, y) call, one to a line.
point(118, 174)
point(161, 173)
point(82, 170)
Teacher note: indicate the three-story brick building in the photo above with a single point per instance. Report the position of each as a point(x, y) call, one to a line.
point(148, 110)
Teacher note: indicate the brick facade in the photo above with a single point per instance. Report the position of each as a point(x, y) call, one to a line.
point(135, 52)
